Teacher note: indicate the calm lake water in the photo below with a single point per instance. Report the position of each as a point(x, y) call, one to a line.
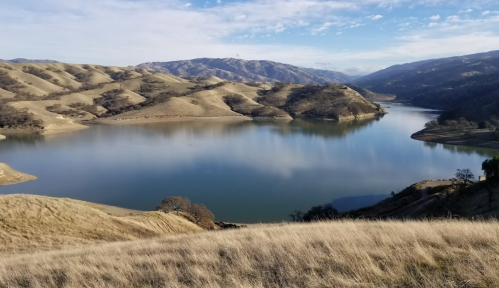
point(246, 171)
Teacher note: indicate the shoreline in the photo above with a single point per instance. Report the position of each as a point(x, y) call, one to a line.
point(10, 176)
point(162, 119)
point(449, 138)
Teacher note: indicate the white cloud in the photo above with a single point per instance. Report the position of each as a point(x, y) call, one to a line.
point(96, 31)
point(278, 28)
point(435, 18)
point(469, 10)
point(355, 25)
point(219, 1)
point(453, 18)
point(240, 17)
point(187, 5)
point(488, 12)
point(303, 23)
point(376, 17)
point(322, 28)
point(433, 24)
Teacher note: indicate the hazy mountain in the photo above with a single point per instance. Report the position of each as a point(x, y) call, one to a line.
point(23, 60)
point(248, 71)
point(468, 83)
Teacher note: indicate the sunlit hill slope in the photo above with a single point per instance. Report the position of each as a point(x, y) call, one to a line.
point(55, 97)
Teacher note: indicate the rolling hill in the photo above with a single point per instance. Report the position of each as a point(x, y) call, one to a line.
point(467, 86)
point(38, 223)
point(248, 71)
point(57, 97)
point(432, 199)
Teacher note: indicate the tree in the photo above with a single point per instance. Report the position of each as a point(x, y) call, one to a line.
point(296, 216)
point(464, 176)
point(175, 203)
point(431, 124)
point(491, 168)
point(483, 124)
point(201, 214)
point(321, 212)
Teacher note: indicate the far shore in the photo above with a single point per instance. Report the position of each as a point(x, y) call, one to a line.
point(49, 131)
point(161, 119)
point(482, 139)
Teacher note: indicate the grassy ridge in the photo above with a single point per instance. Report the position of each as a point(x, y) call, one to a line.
point(331, 254)
point(30, 223)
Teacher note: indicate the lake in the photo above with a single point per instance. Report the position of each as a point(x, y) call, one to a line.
point(244, 171)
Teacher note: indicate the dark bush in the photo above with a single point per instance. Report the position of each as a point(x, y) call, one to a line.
point(14, 118)
point(321, 212)
point(40, 73)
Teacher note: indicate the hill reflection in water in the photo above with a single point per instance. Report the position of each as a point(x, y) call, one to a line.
point(245, 171)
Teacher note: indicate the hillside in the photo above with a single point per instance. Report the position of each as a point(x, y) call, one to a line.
point(37, 223)
point(436, 199)
point(330, 254)
point(248, 71)
point(57, 97)
point(466, 85)
point(370, 95)
point(9, 176)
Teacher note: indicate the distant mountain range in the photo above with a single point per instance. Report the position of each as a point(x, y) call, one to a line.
point(248, 71)
point(23, 60)
point(466, 85)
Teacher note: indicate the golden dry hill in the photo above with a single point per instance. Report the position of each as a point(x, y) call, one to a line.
point(56, 97)
point(31, 223)
point(59, 242)
point(329, 254)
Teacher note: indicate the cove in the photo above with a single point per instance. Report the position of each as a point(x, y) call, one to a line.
point(244, 171)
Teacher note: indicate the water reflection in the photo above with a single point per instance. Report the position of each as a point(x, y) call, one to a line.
point(325, 129)
point(470, 150)
point(244, 171)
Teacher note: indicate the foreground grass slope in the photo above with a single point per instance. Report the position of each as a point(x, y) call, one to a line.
point(330, 254)
point(34, 223)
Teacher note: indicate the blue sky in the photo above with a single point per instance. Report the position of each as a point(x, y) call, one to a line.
point(352, 36)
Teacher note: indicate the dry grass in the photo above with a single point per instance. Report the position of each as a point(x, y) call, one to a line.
point(36, 223)
point(334, 254)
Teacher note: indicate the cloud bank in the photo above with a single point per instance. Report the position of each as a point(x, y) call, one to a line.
point(349, 34)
